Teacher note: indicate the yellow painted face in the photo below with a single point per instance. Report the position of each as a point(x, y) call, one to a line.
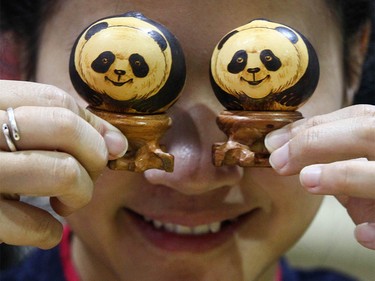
point(258, 60)
point(123, 61)
point(120, 62)
point(123, 67)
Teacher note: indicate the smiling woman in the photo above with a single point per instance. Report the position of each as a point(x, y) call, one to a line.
point(201, 222)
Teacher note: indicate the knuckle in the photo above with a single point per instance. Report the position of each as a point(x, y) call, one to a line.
point(366, 110)
point(69, 174)
point(54, 96)
point(50, 93)
point(48, 233)
point(66, 122)
point(94, 120)
point(65, 100)
point(367, 126)
point(344, 178)
point(44, 233)
point(66, 172)
point(303, 125)
point(314, 121)
point(48, 89)
point(82, 195)
point(309, 139)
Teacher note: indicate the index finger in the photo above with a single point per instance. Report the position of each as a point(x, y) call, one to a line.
point(23, 93)
point(278, 138)
point(20, 93)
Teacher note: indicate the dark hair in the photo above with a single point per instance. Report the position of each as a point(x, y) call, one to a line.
point(354, 14)
point(26, 18)
point(366, 91)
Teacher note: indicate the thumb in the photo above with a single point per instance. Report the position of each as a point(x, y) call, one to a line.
point(365, 235)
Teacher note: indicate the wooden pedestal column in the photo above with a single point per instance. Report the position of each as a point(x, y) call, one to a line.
point(143, 133)
point(246, 131)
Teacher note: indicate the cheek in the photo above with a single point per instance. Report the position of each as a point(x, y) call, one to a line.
point(329, 94)
point(285, 201)
point(98, 220)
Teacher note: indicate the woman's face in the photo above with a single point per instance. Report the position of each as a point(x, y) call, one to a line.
point(260, 214)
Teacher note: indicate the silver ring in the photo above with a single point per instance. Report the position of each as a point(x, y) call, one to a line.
point(13, 125)
point(12, 147)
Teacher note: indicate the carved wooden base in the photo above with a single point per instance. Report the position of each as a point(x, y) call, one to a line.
point(246, 131)
point(143, 133)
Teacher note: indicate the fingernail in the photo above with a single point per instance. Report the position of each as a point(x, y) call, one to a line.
point(310, 176)
point(276, 139)
point(117, 144)
point(365, 233)
point(280, 157)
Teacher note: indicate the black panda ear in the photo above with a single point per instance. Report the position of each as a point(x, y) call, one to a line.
point(259, 19)
point(159, 39)
point(95, 29)
point(288, 33)
point(225, 39)
point(134, 14)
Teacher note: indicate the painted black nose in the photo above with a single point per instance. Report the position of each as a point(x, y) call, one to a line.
point(253, 70)
point(120, 72)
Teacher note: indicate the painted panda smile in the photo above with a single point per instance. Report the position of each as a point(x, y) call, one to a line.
point(118, 84)
point(254, 82)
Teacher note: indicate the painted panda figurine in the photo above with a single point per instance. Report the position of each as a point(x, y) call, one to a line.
point(264, 66)
point(128, 64)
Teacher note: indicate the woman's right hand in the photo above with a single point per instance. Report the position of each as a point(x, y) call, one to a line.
point(62, 150)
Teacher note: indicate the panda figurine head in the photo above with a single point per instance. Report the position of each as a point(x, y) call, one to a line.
point(128, 64)
point(264, 66)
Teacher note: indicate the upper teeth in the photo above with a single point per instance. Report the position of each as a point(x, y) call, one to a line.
point(183, 229)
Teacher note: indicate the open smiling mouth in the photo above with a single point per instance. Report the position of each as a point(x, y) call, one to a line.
point(117, 84)
point(176, 237)
point(254, 82)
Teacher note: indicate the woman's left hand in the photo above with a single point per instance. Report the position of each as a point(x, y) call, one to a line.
point(335, 155)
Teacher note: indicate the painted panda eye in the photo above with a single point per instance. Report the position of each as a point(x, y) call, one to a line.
point(270, 61)
point(139, 65)
point(240, 60)
point(268, 58)
point(103, 62)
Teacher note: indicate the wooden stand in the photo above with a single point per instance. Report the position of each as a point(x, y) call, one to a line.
point(143, 133)
point(246, 131)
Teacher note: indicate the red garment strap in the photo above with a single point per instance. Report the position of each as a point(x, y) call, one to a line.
point(70, 272)
point(279, 274)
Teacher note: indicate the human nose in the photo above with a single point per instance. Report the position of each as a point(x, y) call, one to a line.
point(190, 140)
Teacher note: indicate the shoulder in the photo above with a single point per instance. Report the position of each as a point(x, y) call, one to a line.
point(293, 274)
point(324, 275)
point(41, 265)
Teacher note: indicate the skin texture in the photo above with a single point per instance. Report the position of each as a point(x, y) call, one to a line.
point(107, 244)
